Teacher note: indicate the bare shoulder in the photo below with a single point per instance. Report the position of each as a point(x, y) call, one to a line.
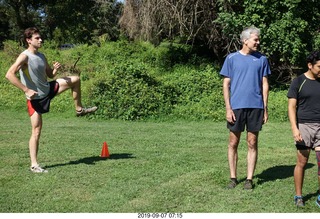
point(22, 57)
point(21, 62)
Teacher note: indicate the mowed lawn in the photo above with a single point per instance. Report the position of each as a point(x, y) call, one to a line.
point(176, 166)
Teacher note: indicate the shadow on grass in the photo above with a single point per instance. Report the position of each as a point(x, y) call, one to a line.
point(310, 195)
point(282, 172)
point(277, 172)
point(92, 160)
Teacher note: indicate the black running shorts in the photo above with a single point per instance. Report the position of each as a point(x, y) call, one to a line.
point(43, 105)
point(250, 118)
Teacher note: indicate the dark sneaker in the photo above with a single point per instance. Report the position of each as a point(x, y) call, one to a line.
point(248, 184)
point(85, 111)
point(318, 201)
point(298, 201)
point(232, 184)
point(38, 169)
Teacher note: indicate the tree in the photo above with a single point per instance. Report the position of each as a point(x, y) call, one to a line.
point(20, 15)
point(4, 24)
point(155, 20)
point(289, 28)
point(65, 21)
point(289, 31)
point(106, 19)
point(73, 18)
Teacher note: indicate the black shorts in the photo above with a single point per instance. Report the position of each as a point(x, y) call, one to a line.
point(248, 117)
point(43, 105)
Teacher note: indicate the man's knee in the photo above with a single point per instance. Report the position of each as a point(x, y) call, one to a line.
point(252, 144)
point(233, 143)
point(75, 79)
point(301, 163)
point(36, 132)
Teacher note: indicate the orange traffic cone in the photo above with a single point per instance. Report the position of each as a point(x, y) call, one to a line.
point(105, 151)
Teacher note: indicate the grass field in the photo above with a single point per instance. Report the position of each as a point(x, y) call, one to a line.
point(154, 167)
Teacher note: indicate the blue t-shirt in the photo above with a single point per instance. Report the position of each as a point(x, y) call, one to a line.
point(246, 73)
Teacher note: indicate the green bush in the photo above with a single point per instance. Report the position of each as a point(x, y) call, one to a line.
point(137, 81)
point(128, 92)
point(278, 106)
point(199, 92)
point(11, 49)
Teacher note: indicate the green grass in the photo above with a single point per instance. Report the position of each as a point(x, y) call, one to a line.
point(154, 167)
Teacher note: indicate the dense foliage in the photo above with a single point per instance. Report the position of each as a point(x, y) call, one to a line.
point(65, 21)
point(289, 27)
point(137, 81)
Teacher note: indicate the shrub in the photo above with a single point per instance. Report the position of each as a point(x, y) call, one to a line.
point(199, 92)
point(137, 81)
point(128, 92)
point(278, 106)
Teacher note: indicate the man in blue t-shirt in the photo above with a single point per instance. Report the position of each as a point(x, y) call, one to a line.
point(245, 91)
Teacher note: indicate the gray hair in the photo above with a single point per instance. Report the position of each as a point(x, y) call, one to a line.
point(247, 32)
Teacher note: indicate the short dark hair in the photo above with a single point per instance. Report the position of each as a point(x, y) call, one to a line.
point(313, 57)
point(28, 34)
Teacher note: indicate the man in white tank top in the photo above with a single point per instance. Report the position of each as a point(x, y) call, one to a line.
point(34, 71)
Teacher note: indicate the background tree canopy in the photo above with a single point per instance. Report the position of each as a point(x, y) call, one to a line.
point(64, 21)
point(289, 28)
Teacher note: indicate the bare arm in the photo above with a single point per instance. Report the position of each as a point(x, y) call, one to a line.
point(231, 118)
point(292, 110)
point(51, 73)
point(20, 63)
point(265, 93)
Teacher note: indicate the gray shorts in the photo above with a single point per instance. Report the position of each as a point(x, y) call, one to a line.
point(310, 133)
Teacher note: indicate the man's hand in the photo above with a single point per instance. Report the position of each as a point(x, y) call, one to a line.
point(30, 94)
point(231, 118)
